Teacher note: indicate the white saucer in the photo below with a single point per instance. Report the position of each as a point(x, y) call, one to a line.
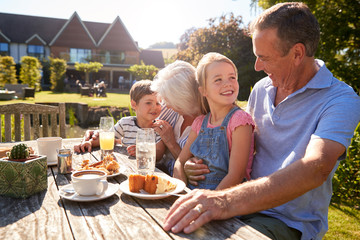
point(180, 185)
point(112, 189)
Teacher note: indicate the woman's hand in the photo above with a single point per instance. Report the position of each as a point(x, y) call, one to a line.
point(164, 129)
point(195, 170)
point(131, 150)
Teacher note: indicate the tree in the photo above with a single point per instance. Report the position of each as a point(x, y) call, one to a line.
point(339, 36)
point(58, 69)
point(226, 35)
point(143, 71)
point(88, 68)
point(30, 71)
point(184, 39)
point(7, 70)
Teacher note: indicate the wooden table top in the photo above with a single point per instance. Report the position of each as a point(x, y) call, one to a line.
point(46, 215)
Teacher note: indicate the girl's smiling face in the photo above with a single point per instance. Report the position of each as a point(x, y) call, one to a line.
point(221, 85)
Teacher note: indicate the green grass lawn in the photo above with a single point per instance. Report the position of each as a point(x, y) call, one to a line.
point(112, 99)
point(344, 222)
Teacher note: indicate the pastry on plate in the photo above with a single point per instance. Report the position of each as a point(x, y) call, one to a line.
point(151, 184)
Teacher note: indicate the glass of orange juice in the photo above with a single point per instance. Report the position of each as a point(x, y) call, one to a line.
point(107, 136)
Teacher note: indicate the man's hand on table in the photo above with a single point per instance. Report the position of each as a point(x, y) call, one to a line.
point(195, 209)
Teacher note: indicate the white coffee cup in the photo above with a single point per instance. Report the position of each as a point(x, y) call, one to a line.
point(48, 146)
point(89, 182)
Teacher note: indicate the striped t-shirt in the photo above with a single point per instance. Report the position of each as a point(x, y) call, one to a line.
point(126, 129)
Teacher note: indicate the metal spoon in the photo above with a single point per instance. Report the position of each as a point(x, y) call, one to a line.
point(68, 191)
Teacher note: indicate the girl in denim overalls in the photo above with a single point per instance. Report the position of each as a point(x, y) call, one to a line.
point(224, 125)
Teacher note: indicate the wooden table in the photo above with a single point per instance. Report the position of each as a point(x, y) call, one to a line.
point(46, 215)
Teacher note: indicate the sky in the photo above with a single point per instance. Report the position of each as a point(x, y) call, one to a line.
point(147, 21)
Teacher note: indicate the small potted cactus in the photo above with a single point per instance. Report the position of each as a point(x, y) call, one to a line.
point(19, 153)
point(22, 173)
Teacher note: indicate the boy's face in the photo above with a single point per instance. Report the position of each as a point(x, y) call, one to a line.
point(148, 108)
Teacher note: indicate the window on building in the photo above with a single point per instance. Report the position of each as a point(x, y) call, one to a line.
point(80, 55)
point(112, 57)
point(4, 49)
point(36, 51)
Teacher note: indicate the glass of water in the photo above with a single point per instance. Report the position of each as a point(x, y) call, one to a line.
point(145, 151)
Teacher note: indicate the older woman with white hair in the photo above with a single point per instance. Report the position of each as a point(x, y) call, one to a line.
point(177, 86)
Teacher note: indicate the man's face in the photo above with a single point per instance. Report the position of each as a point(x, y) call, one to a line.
point(269, 59)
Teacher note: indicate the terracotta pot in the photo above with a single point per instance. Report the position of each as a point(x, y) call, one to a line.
point(23, 159)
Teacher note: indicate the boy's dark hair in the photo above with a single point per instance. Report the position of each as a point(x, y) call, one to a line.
point(140, 89)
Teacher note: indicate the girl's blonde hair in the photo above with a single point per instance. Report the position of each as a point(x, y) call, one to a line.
point(201, 75)
point(177, 84)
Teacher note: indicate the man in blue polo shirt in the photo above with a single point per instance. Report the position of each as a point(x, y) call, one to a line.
point(305, 119)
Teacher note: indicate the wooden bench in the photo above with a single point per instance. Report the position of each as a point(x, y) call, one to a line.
point(26, 109)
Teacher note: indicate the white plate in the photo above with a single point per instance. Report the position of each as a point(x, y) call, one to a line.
point(180, 185)
point(121, 170)
point(112, 189)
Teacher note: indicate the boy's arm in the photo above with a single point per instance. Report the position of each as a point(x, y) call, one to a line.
point(184, 155)
point(239, 157)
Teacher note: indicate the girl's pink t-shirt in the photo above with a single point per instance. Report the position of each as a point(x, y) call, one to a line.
point(239, 118)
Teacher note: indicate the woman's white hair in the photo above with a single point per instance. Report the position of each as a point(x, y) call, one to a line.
point(177, 85)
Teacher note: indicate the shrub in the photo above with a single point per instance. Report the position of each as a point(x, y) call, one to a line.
point(346, 182)
point(8, 70)
point(143, 71)
point(30, 71)
point(58, 70)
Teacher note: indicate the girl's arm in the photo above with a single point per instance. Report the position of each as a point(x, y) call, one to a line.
point(184, 155)
point(239, 157)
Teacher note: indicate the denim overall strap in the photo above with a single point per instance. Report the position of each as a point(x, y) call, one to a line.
point(212, 146)
point(228, 116)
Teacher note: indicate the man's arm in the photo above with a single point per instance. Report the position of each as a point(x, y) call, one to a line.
point(280, 187)
point(307, 173)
